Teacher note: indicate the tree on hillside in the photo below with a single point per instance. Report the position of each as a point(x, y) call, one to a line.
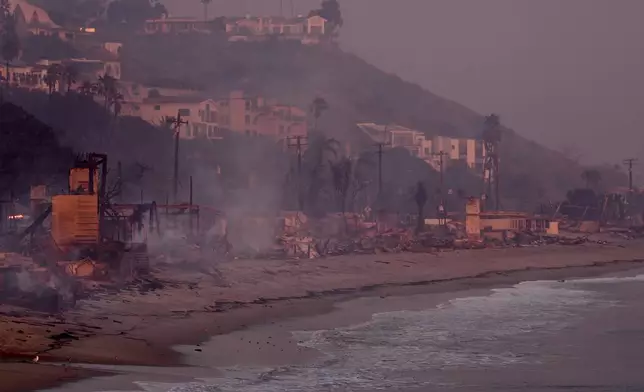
point(206, 4)
point(69, 75)
point(492, 128)
point(8, 36)
point(592, 177)
point(108, 89)
point(30, 152)
point(330, 10)
point(318, 106)
point(53, 77)
point(116, 104)
point(320, 151)
point(134, 12)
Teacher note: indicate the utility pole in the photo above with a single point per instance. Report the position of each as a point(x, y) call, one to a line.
point(630, 162)
point(298, 148)
point(176, 123)
point(380, 152)
point(190, 205)
point(282, 8)
point(441, 208)
point(119, 169)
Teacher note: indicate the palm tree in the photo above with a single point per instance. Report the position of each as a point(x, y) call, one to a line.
point(318, 106)
point(116, 104)
point(108, 88)
point(421, 199)
point(52, 79)
point(69, 75)
point(317, 154)
point(592, 177)
point(205, 3)
point(342, 172)
point(492, 128)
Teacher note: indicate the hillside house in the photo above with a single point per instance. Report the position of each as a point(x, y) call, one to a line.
point(32, 19)
point(176, 25)
point(469, 151)
point(254, 116)
point(27, 76)
point(156, 110)
point(304, 29)
point(136, 92)
point(36, 21)
point(92, 69)
point(199, 113)
point(33, 76)
point(247, 28)
point(208, 118)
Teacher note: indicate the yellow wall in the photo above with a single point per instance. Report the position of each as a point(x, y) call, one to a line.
point(74, 219)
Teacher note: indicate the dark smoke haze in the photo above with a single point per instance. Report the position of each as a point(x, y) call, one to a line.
point(562, 72)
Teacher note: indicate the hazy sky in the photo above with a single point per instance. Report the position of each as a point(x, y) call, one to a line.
point(562, 72)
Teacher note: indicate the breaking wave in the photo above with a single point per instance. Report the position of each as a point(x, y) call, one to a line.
point(391, 350)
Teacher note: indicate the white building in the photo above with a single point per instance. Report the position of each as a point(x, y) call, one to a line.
point(425, 147)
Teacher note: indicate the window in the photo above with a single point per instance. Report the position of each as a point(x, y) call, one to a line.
point(247, 119)
point(184, 112)
point(254, 133)
point(247, 132)
point(188, 130)
point(210, 131)
point(247, 105)
point(213, 117)
point(281, 129)
point(426, 151)
point(157, 107)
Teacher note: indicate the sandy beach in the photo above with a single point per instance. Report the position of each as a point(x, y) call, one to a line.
point(192, 303)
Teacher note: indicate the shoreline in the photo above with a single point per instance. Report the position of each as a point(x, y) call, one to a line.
point(128, 341)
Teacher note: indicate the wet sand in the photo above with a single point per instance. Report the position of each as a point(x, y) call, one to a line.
point(196, 303)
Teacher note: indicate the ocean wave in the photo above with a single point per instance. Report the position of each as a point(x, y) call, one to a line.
point(388, 352)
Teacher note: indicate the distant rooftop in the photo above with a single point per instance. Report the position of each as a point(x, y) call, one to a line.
point(377, 132)
point(175, 99)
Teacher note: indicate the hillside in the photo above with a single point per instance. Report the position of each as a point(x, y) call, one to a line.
point(30, 153)
point(355, 90)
